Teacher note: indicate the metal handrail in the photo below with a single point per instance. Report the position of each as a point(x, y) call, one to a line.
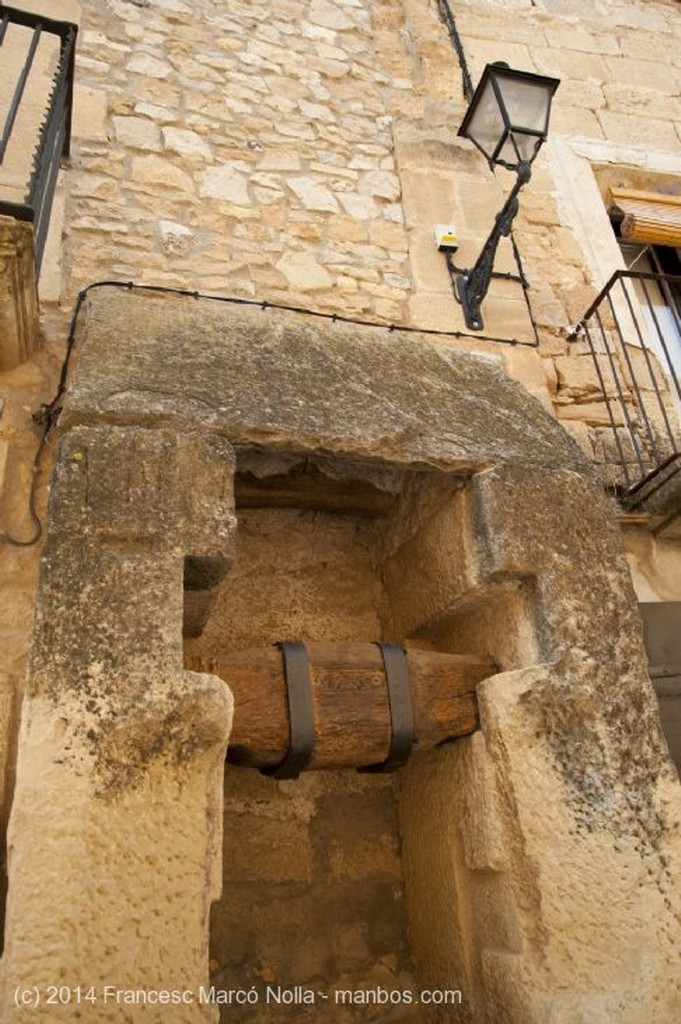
point(641, 402)
point(54, 134)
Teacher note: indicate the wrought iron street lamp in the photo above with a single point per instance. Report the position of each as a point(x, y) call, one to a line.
point(508, 120)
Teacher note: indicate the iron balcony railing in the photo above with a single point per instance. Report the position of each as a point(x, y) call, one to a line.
point(633, 334)
point(37, 57)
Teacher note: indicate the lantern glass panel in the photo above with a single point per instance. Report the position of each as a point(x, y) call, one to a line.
point(527, 103)
point(486, 124)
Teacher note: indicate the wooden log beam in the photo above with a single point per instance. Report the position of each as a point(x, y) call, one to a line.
point(350, 700)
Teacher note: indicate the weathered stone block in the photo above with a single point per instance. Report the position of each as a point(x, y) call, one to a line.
point(132, 483)
point(137, 133)
point(303, 273)
point(646, 131)
point(480, 414)
point(18, 297)
point(89, 112)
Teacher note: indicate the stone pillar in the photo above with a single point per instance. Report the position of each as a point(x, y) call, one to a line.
point(541, 869)
point(114, 840)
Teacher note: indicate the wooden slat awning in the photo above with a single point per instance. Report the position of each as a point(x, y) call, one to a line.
point(650, 217)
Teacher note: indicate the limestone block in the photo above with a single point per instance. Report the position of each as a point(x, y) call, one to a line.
point(595, 414)
point(576, 121)
point(137, 133)
point(362, 208)
point(176, 238)
point(626, 98)
point(155, 172)
point(480, 415)
point(303, 272)
point(186, 143)
point(279, 160)
point(313, 195)
point(4, 452)
point(156, 112)
point(547, 307)
point(602, 866)
point(483, 838)
point(646, 369)
point(578, 377)
point(382, 184)
point(647, 131)
point(582, 435)
point(647, 74)
point(571, 64)
point(389, 236)
point(89, 112)
point(8, 701)
point(224, 182)
point(536, 374)
point(18, 299)
point(570, 38)
point(484, 51)
point(347, 229)
point(145, 64)
point(429, 198)
point(129, 482)
point(434, 310)
point(140, 935)
point(639, 17)
point(429, 267)
point(408, 603)
point(505, 313)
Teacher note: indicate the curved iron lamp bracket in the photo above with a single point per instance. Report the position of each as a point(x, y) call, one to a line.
point(472, 285)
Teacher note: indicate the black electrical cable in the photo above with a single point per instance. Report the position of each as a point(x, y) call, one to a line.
point(48, 414)
point(265, 304)
point(447, 16)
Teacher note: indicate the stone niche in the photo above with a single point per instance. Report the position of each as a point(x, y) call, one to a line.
point(327, 483)
point(329, 549)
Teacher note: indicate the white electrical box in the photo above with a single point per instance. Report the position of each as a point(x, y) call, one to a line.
point(445, 238)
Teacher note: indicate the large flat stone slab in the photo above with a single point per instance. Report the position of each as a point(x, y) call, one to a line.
point(289, 382)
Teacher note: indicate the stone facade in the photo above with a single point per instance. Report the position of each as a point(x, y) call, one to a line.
point(301, 152)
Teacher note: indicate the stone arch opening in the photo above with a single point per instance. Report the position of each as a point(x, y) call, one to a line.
point(316, 896)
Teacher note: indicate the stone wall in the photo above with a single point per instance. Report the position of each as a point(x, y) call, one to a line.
point(302, 152)
point(243, 148)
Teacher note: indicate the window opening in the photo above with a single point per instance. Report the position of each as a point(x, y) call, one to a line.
point(660, 300)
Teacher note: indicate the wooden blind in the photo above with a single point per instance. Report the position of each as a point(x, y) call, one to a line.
point(651, 217)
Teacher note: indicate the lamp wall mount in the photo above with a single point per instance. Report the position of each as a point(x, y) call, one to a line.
point(472, 286)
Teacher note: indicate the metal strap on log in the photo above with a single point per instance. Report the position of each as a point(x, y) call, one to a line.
point(300, 712)
point(401, 709)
